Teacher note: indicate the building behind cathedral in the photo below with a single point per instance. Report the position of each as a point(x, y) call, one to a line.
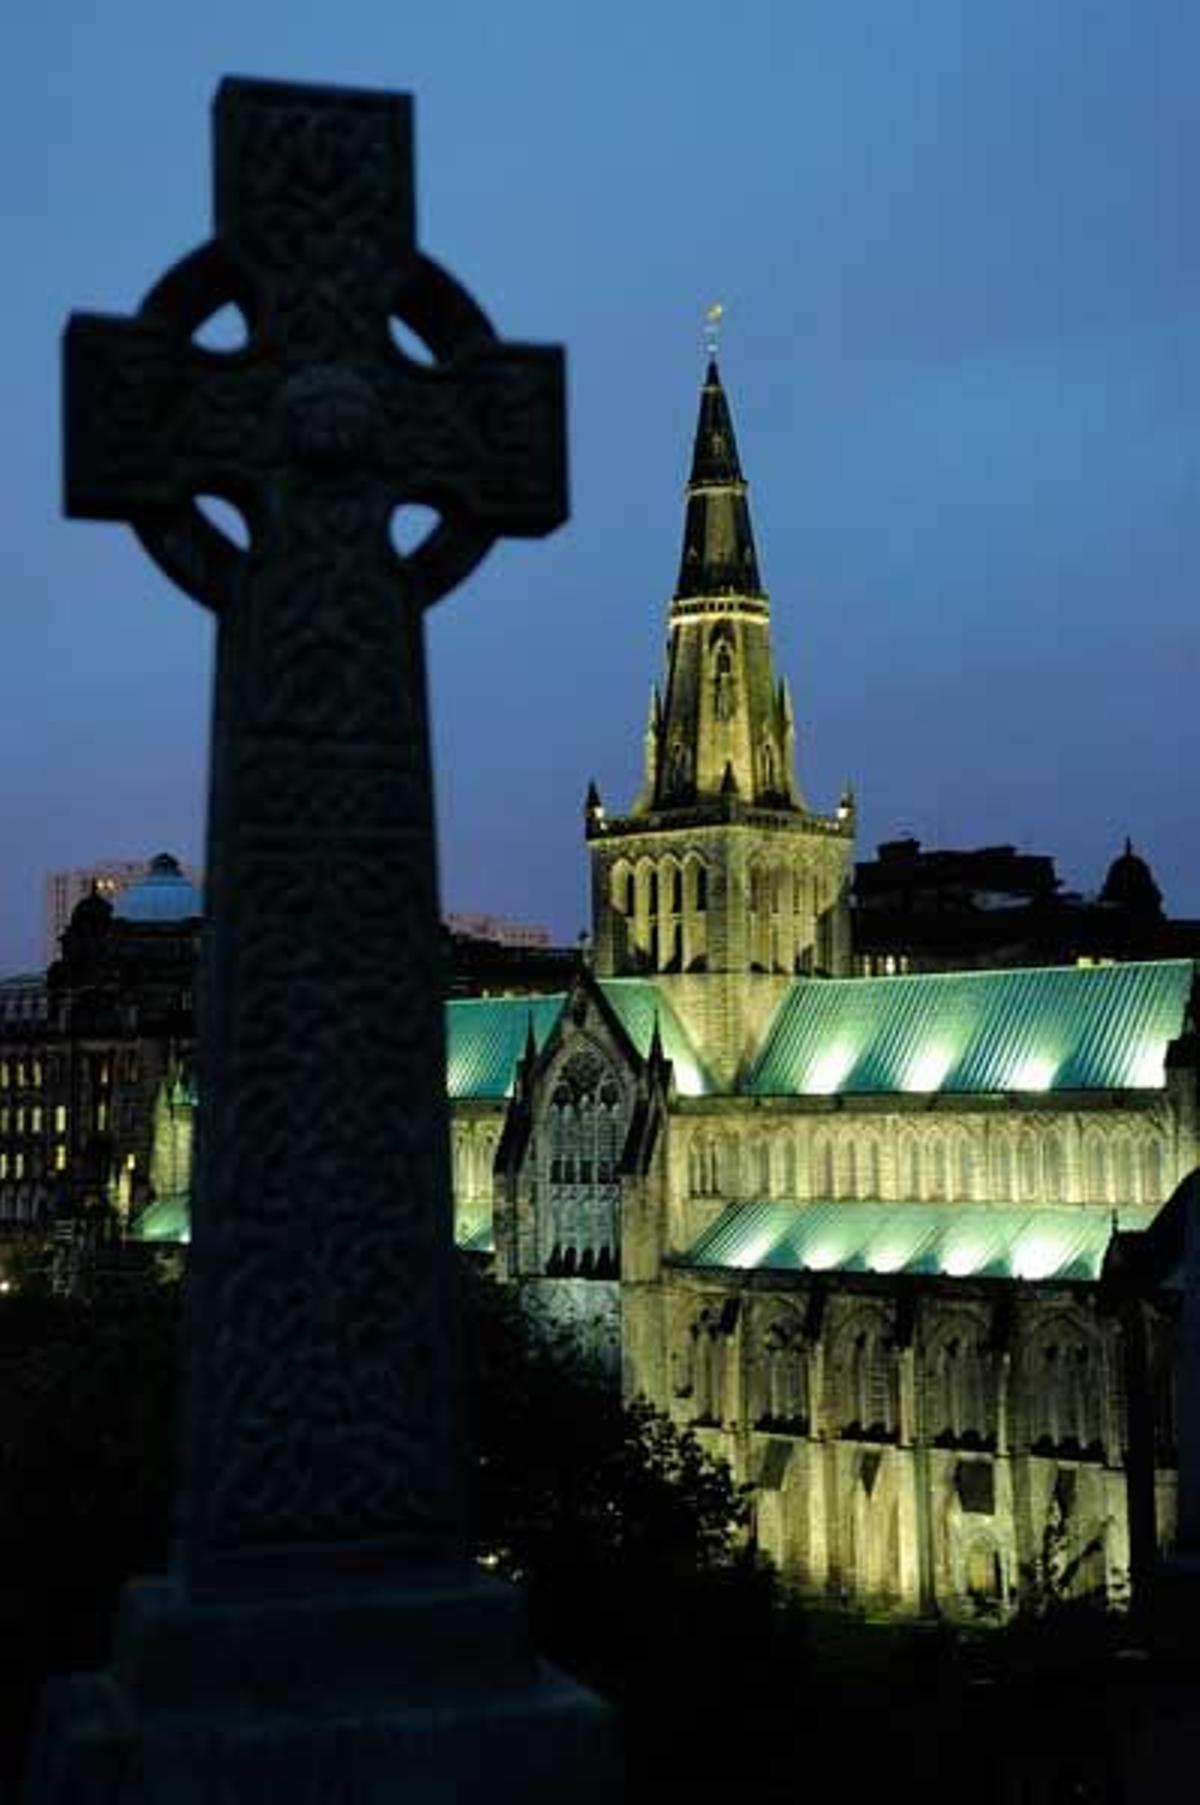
point(904, 1248)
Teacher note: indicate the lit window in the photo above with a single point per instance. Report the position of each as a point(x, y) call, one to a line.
point(35, 1119)
point(18, 1165)
point(60, 1158)
point(36, 1074)
point(3, 1164)
point(60, 1118)
point(101, 1117)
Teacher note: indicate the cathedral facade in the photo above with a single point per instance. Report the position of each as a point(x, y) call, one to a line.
point(883, 1243)
point(905, 1250)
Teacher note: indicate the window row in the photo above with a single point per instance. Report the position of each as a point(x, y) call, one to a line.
point(1066, 1384)
point(1005, 1166)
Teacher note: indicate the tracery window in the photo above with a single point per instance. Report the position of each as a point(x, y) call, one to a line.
point(701, 1367)
point(959, 1390)
point(580, 1196)
point(784, 1378)
point(866, 1402)
point(1065, 1390)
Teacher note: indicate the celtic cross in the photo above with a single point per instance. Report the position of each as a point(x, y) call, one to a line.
point(321, 1439)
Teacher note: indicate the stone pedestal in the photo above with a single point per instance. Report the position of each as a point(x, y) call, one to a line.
point(429, 1694)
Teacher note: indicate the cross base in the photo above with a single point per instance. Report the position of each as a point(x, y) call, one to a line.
point(432, 1693)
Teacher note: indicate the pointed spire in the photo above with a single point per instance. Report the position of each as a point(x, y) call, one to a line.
point(718, 543)
point(592, 804)
point(656, 1054)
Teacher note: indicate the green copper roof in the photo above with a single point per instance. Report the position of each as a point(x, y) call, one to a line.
point(1056, 1028)
point(969, 1240)
point(485, 1037)
point(636, 1002)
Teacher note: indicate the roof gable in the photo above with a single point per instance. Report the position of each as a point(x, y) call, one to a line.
point(1057, 1028)
point(638, 1003)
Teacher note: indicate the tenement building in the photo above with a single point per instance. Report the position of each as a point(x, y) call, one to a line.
point(903, 1248)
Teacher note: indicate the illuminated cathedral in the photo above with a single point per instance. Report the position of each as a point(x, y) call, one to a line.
point(904, 1249)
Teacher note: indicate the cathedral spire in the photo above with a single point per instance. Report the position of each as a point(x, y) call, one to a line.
point(718, 556)
point(720, 867)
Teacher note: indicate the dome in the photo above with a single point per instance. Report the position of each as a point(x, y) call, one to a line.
point(1130, 885)
point(164, 894)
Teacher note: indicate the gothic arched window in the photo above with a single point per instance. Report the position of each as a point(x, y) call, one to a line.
point(784, 1386)
point(1095, 1168)
point(958, 1403)
point(865, 1384)
point(579, 1196)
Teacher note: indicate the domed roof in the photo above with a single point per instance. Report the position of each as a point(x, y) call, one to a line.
point(1130, 884)
point(164, 894)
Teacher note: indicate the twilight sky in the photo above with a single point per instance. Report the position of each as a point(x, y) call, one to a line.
point(962, 342)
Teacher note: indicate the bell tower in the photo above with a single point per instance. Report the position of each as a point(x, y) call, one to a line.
point(720, 879)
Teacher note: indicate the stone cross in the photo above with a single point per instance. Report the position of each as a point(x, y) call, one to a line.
point(320, 1445)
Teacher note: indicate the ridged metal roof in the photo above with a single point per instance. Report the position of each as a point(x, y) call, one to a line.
point(1054, 1028)
point(969, 1240)
point(485, 1037)
point(636, 1002)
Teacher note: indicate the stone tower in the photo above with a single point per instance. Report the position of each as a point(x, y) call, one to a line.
point(720, 880)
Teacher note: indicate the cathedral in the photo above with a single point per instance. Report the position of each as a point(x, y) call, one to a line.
point(904, 1250)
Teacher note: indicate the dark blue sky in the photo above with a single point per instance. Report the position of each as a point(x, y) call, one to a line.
point(957, 246)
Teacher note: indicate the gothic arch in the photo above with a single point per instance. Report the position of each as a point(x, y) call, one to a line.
point(864, 1405)
point(581, 1134)
point(621, 888)
point(1065, 1387)
point(1096, 1178)
point(959, 1403)
point(783, 1375)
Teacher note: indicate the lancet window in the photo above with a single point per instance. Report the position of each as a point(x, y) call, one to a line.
point(866, 1404)
point(959, 1405)
point(784, 1378)
point(1065, 1390)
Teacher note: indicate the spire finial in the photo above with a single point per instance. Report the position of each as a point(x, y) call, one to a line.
point(712, 328)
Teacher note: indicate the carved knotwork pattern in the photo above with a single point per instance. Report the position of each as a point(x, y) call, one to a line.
point(322, 1261)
